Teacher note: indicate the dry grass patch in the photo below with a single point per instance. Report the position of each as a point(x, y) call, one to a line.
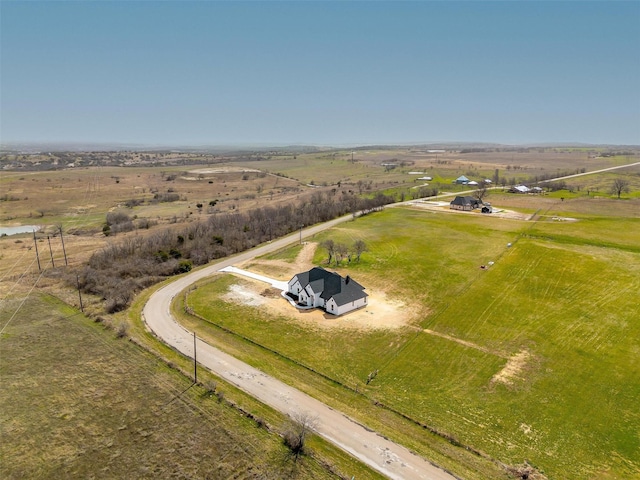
point(513, 369)
point(77, 402)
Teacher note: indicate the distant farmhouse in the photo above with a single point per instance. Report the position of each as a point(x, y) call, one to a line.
point(468, 204)
point(320, 288)
point(525, 189)
point(465, 203)
point(520, 189)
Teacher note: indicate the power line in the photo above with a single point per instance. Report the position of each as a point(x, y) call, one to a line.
point(13, 266)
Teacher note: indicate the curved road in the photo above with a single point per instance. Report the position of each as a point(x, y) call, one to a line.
point(390, 459)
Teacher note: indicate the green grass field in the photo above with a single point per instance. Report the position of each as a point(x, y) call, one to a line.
point(76, 402)
point(563, 299)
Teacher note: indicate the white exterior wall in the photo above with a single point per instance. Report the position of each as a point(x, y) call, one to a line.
point(294, 286)
point(331, 306)
point(314, 299)
point(335, 310)
point(303, 298)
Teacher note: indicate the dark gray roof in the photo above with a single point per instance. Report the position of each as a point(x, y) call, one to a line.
point(350, 291)
point(459, 200)
point(343, 290)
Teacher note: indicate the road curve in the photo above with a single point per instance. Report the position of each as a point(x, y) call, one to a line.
point(388, 458)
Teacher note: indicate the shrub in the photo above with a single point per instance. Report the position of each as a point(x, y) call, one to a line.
point(122, 331)
point(184, 266)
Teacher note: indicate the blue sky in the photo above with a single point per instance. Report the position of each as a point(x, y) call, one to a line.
point(328, 73)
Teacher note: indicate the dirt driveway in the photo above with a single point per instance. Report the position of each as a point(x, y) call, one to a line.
point(392, 460)
point(443, 207)
point(380, 313)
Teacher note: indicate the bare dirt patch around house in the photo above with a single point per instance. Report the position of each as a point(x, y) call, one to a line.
point(281, 269)
point(443, 207)
point(380, 313)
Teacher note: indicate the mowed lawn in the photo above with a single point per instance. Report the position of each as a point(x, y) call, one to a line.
point(343, 354)
point(572, 407)
point(560, 306)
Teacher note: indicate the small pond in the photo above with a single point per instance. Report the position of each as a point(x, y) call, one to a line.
point(19, 229)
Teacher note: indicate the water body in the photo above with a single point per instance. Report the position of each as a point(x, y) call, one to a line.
point(18, 229)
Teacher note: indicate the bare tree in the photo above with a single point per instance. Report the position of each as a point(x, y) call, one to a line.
point(620, 185)
point(359, 247)
point(482, 191)
point(341, 252)
point(295, 434)
point(330, 246)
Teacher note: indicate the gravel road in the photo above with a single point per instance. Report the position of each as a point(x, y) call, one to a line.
point(391, 459)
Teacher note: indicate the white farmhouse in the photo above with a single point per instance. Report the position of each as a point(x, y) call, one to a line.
point(319, 288)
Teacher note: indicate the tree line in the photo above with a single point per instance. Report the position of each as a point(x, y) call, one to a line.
point(120, 270)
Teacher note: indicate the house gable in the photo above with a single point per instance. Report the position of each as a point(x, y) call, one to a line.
point(320, 288)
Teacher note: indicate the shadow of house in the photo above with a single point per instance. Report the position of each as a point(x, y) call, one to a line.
point(328, 290)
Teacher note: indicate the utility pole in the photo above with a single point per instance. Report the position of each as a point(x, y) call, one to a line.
point(51, 252)
point(79, 293)
point(63, 249)
point(35, 242)
point(195, 361)
point(301, 227)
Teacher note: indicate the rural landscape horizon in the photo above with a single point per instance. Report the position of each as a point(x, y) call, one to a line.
point(320, 240)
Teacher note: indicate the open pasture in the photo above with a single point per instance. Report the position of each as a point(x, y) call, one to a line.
point(77, 402)
point(600, 184)
point(570, 405)
point(532, 359)
point(79, 198)
point(501, 359)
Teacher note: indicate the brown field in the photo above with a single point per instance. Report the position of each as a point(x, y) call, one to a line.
point(77, 402)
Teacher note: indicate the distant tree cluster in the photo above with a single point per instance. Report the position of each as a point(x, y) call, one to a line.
point(120, 270)
point(118, 222)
